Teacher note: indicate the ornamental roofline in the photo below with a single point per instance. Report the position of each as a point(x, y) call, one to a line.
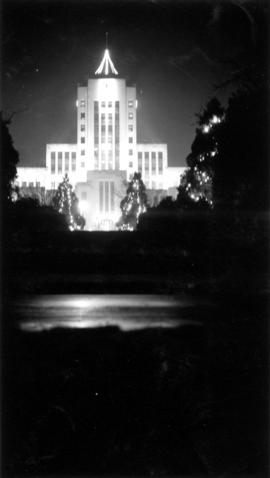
point(106, 67)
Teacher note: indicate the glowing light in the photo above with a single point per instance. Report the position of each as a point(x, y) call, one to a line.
point(206, 128)
point(77, 103)
point(216, 119)
point(105, 65)
point(83, 206)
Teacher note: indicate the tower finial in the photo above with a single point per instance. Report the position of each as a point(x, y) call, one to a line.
point(106, 64)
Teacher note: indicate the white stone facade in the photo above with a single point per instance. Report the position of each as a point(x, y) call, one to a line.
point(106, 152)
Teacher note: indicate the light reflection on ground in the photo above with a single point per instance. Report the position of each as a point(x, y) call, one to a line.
point(127, 312)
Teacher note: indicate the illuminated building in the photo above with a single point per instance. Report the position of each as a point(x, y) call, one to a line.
point(106, 153)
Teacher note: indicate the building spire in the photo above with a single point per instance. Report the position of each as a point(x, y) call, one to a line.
point(106, 64)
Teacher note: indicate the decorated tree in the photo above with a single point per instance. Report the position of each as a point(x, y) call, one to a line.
point(133, 204)
point(66, 202)
point(196, 183)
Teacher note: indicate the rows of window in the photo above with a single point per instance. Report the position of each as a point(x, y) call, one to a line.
point(104, 104)
point(31, 184)
point(117, 133)
point(106, 196)
point(153, 162)
point(103, 136)
point(153, 184)
point(63, 162)
point(82, 128)
point(96, 133)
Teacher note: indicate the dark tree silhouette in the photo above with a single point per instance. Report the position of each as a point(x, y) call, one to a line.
point(9, 161)
point(241, 179)
point(27, 219)
point(197, 180)
point(133, 204)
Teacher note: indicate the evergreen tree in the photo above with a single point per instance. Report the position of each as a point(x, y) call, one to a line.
point(241, 179)
point(197, 180)
point(9, 161)
point(66, 202)
point(133, 204)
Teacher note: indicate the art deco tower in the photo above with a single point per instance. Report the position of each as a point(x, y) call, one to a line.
point(106, 121)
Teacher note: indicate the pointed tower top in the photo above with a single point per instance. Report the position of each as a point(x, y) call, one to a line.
point(106, 66)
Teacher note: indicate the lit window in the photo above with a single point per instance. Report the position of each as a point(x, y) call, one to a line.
point(130, 127)
point(130, 115)
point(103, 104)
point(160, 163)
point(82, 103)
point(82, 164)
point(60, 156)
point(130, 164)
point(110, 159)
point(73, 161)
point(83, 152)
point(82, 139)
point(52, 163)
point(154, 164)
point(82, 115)
point(101, 189)
point(112, 195)
point(130, 152)
point(82, 127)
point(103, 159)
point(130, 104)
point(110, 104)
point(66, 161)
point(106, 196)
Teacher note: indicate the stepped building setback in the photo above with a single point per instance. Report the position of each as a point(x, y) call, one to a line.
point(106, 153)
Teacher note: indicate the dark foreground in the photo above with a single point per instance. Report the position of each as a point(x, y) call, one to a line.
point(155, 402)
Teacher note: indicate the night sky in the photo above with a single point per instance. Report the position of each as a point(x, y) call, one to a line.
point(177, 53)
